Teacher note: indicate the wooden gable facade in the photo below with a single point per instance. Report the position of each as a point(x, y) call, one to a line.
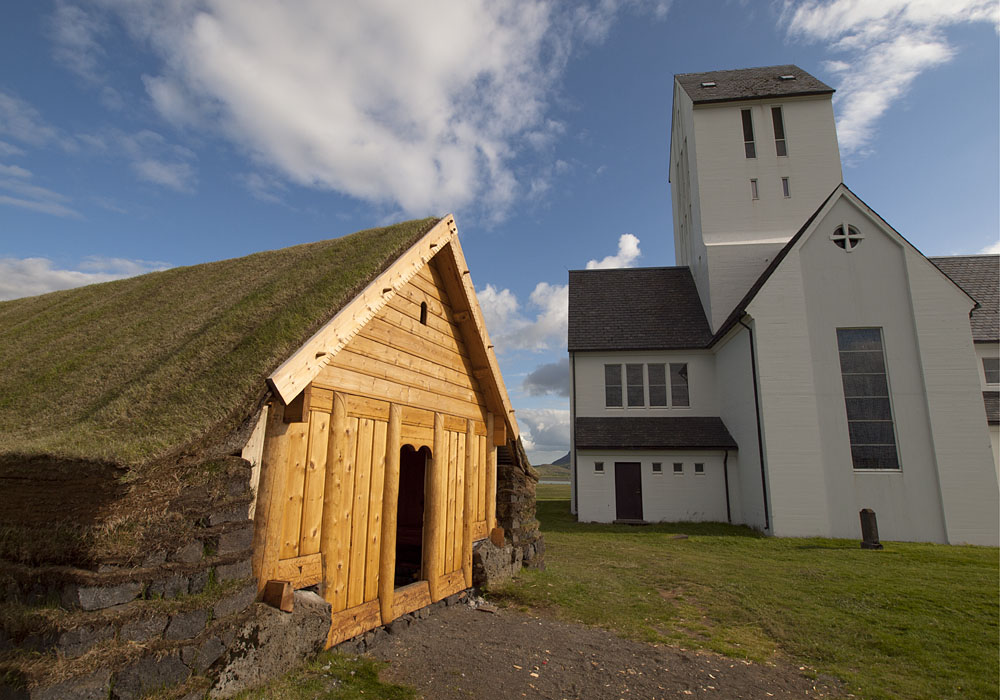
point(378, 452)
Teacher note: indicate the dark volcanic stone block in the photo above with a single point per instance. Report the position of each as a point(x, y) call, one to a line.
point(100, 597)
point(186, 625)
point(143, 629)
point(149, 673)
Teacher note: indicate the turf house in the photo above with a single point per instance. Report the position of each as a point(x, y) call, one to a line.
point(322, 427)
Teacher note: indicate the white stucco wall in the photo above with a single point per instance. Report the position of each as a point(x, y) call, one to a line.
point(589, 382)
point(728, 214)
point(946, 490)
point(666, 497)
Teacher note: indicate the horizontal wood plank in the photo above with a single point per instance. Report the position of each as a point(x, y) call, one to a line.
point(412, 597)
point(301, 572)
point(402, 375)
point(350, 623)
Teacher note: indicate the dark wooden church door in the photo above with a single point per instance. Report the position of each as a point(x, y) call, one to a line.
point(628, 491)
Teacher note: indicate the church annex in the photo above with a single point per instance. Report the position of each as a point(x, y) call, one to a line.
point(802, 361)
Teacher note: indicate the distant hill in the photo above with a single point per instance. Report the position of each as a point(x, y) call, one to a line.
point(557, 471)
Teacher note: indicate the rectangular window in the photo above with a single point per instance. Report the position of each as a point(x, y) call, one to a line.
point(784, 187)
point(753, 189)
point(612, 385)
point(657, 384)
point(866, 395)
point(678, 467)
point(699, 468)
point(598, 466)
point(779, 132)
point(633, 375)
point(991, 369)
point(748, 134)
point(679, 385)
point(657, 467)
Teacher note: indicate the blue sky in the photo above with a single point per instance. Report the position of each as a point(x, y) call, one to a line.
point(135, 137)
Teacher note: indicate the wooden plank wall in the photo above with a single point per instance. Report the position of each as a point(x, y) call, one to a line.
point(327, 475)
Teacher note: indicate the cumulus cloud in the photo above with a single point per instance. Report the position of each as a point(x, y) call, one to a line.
point(419, 106)
point(628, 253)
point(992, 249)
point(544, 429)
point(21, 277)
point(551, 378)
point(886, 46)
point(548, 307)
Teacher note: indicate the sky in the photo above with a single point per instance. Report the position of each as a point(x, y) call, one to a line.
point(138, 135)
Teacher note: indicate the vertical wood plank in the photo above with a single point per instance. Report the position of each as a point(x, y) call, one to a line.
point(449, 528)
point(390, 500)
point(432, 566)
point(491, 475)
point(481, 476)
point(253, 452)
point(468, 500)
point(267, 518)
point(375, 511)
point(295, 482)
point(342, 559)
point(359, 519)
point(459, 517)
point(334, 488)
point(312, 503)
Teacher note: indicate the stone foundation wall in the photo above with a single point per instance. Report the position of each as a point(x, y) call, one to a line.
point(516, 481)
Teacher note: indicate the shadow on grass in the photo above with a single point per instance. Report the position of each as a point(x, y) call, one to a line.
point(555, 517)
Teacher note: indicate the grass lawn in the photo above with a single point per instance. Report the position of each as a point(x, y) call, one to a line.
point(912, 621)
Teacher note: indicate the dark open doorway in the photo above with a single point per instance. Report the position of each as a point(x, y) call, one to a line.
point(410, 514)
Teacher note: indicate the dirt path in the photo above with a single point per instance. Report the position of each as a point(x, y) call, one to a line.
point(462, 652)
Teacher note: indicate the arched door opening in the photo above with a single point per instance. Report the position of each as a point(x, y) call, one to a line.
point(410, 514)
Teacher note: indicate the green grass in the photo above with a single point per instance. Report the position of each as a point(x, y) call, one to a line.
point(912, 621)
point(331, 676)
point(132, 370)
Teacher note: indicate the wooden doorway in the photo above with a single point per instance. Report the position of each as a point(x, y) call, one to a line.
point(410, 515)
point(628, 491)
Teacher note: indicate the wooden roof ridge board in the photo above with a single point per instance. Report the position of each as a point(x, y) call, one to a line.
point(295, 373)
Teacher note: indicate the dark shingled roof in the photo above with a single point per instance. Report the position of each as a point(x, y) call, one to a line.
point(750, 83)
point(641, 308)
point(979, 276)
point(992, 401)
point(645, 433)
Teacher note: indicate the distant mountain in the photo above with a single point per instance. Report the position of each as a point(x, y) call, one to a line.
point(562, 461)
point(557, 471)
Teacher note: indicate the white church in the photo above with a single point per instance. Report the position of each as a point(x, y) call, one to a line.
point(802, 362)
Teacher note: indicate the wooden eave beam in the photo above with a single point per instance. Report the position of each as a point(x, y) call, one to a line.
point(295, 373)
point(455, 274)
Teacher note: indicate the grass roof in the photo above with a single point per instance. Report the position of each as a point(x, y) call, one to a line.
point(131, 371)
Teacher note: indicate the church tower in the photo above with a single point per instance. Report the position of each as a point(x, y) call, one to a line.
point(753, 153)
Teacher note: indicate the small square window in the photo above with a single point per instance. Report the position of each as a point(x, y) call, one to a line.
point(599, 467)
point(678, 467)
point(657, 467)
point(699, 468)
point(991, 369)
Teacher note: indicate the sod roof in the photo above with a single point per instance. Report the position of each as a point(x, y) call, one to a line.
point(136, 370)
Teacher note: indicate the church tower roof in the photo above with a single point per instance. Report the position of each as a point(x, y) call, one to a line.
point(750, 83)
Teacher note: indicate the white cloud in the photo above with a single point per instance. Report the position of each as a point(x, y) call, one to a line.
point(20, 277)
point(7, 149)
point(22, 122)
point(21, 193)
point(416, 106)
point(154, 160)
point(544, 429)
point(76, 38)
point(628, 253)
point(992, 249)
point(511, 329)
point(888, 45)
